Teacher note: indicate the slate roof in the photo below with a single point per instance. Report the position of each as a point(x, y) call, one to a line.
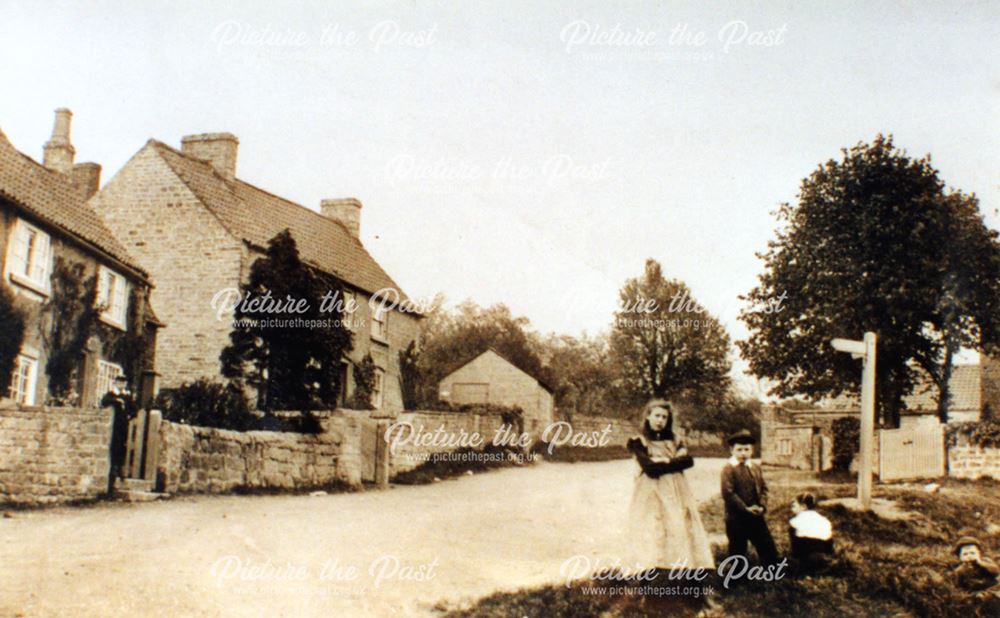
point(51, 197)
point(256, 216)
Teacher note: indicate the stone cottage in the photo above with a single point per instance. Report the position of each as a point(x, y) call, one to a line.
point(46, 229)
point(197, 228)
point(492, 378)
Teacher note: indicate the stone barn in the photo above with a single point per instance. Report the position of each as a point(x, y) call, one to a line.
point(492, 378)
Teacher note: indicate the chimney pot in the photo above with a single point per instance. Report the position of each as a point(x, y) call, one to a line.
point(87, 179)
point(59, 151)
point(347, 210)
point(219, 149)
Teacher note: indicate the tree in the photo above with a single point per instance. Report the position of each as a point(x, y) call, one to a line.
point(451, 337)
point(583, 377)
point(732, 414)
point(666, 344)
point(284, 344)
point(11, 335)
point(873, 244)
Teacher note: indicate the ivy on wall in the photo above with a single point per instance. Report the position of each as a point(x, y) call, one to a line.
point(14, 322)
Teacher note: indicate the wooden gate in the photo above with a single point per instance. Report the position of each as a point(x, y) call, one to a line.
point(142, 449)
point(911, 452)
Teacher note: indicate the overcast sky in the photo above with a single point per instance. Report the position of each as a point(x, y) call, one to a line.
point(531, 153)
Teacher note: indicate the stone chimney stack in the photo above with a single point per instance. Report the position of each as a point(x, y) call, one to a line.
point(59, 152)
point(219, 149)
point(347, 210)
point(87, 179)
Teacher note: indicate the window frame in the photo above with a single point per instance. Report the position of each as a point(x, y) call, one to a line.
point(114, 314)
point(105, 373)
point(379, 328)
point(18, 268)
point(26, 393)
point(378, 388)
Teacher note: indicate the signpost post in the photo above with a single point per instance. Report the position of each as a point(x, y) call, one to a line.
point(864, 349)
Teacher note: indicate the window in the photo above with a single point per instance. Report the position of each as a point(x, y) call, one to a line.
point(29, 257)
point(112, 294)
point(22, 385)
point(784, 446)
point(377, 388)
point(106, 374)
point(380, 319)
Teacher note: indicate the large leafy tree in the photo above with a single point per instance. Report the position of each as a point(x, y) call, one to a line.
point(665, 344)
point(875, 243)
point(291, 357)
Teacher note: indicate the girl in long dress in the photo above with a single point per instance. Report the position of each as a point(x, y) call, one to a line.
point(665, 528)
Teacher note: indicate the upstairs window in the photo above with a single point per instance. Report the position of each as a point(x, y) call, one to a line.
point(112, 295)
point(380, 322)
point(29, 257)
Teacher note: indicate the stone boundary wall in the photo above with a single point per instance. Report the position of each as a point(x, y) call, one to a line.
point(209, 460)
point(621, 429)
point(51, 455)
point(457, 428)
point(972, 462)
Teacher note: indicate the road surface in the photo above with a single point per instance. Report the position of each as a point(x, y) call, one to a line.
point(407, 551)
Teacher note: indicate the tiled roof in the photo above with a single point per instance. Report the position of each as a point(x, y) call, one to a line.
point(964, 384)
point(51, 197)
point(965, 393)
point(256, 216)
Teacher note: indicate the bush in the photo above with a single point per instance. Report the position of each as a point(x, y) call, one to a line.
point(364, 385)
point(985, 433)
point(208, 404)
point(11, 336)
point(225, 406)
point(846, 441)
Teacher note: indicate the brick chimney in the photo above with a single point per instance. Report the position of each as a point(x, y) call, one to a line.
point(87, 179)
point(347, 210)
point(219, 149)
point(59, 152)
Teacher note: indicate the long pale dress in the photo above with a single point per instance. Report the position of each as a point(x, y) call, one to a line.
point(665, 529)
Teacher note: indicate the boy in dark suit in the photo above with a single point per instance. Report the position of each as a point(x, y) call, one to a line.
point(745, 494)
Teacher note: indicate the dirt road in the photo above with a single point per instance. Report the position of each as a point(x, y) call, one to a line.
point(406, 551)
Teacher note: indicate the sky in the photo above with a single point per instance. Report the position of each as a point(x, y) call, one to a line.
point(531, 153)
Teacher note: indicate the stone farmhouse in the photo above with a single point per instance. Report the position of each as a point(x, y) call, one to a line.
point(803, 438)
point(491, 378)
point(197, 228)
point(46, 226)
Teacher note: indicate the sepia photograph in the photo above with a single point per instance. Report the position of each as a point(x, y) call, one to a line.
point(473, 309)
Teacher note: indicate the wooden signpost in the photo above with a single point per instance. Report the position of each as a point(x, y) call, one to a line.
point(864, 349)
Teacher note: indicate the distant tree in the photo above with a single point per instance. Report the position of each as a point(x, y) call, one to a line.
point(11, 335)
point(733, 413)
point(291, 364)
point(583, 376)
point(666, 344)
point(873, 244)
point(450, 337)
